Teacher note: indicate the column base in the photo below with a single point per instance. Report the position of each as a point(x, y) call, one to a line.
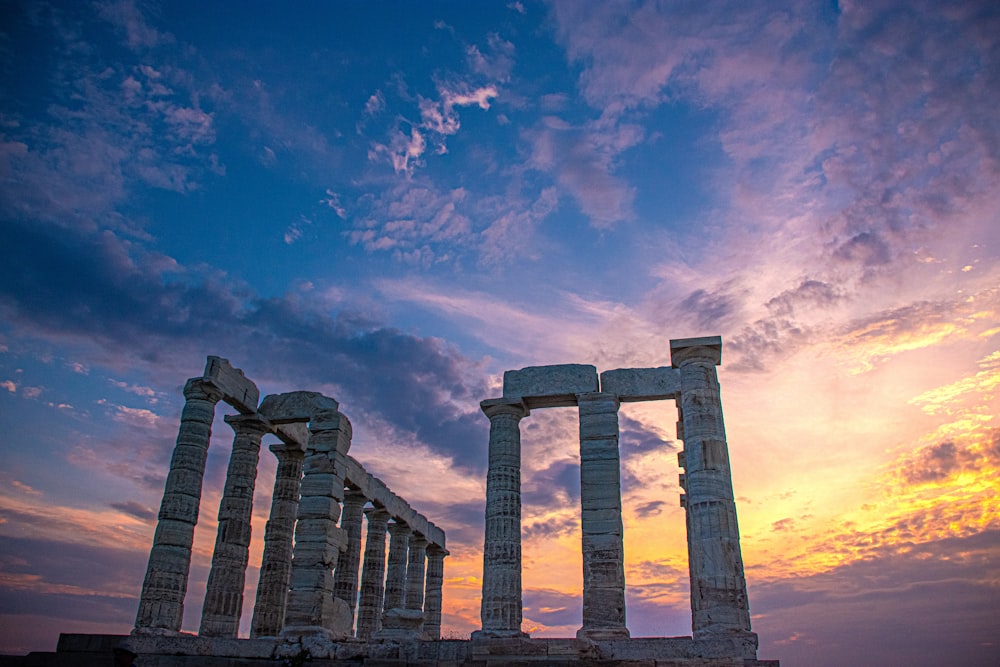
point(401, 625)
point(499, 634)
point(601, 634)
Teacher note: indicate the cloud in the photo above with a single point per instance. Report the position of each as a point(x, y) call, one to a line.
point(138, 510)
point(582, 161)
point(881, 604)
point(116, 305)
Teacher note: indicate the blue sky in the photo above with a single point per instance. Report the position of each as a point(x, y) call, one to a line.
point(393, 203)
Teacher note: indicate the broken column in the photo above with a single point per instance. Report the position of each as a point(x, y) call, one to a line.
point(718, 587)
point(345, 580)
point(372, 573)
point(161, 605)
point(601, 519)
point(223, 606)
point(501, 604)
point(432, 598)
point(276, 564)
point(312, 609)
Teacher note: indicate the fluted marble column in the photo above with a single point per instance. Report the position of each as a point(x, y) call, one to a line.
point(415, 568)
point(601, 519)
point(395, 578)
point(718, 587)
point(372, 573)
point(276, 564)
point(501, 605)
point(220, 616)
point(312, 608)
point(161, 604)
point(345, 578)
point(432, 598)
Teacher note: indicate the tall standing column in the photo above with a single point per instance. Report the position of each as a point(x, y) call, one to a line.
point(501, 605)
point(312, 609)
point(345, 578)
point(395, 578)
point(432, 598)
point(601, 520)
point(718, 587)
point(276, 563)
point(220, 616)
point(415, 568)
point(372, 573)
point(161, 605)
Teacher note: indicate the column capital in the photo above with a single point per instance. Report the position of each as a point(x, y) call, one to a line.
point(399, 528)
point(437, 551)
point(598, 396)
point(377, 514)
point(706, 348)
point(253, 424)
point(418, 541)
point(504, 406)
point(203, 389)
point(354, 497)
point(283, 450)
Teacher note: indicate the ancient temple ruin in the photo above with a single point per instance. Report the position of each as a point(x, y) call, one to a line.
point(320, 494)
point(309, 600)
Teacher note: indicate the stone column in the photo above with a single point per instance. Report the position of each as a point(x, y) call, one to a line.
point(415, 568)
point(432, 598)
point(718, 587)
point(276, 564)
point(220, 616)
point(312, 608)
point(501, 605)
point(161, 604)
point(345, 579)
point(372, 573)
point(395, 579)
point(601, 519)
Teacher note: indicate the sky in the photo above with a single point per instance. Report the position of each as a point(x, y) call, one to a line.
point(392, 203)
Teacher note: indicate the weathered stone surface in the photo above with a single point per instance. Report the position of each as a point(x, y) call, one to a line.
point(223, 605)
point(550, 386)
point(395, 578)
point(238, 391)
point(345, 578)
point(601, 523)
point(372, 574)
point(276, 563)
point(432, 597)
point(718, 587)
point(161, 603)
point(641, 384)
point(297, 406)
point(501, 611)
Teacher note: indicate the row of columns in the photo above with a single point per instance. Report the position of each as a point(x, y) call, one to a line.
point(718, 587)
point(308, 490)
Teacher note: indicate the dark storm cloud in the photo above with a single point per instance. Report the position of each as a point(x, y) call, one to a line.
point(634, 437)
point(711, 309)
point(551, 487)
point(940, 461)
point(138, 510)
point(109, 296)
point(551, 607)
point(809, 293)
point(880, 604)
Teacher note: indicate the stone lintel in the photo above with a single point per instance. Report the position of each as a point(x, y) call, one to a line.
point(641, 384)
point(298, 406)
point(550, 386)
point(682, 348)
point(293, 434)
point(239, 391)
point(376, 491)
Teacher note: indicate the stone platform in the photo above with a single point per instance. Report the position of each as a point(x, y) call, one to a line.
point(76, 650)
